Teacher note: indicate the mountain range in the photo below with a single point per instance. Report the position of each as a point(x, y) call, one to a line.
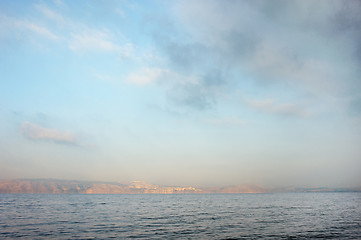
point(54, 186)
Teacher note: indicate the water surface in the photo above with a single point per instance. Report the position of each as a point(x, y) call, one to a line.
point(183, 216)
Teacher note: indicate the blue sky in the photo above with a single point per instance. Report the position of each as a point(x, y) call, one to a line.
point(182, 92)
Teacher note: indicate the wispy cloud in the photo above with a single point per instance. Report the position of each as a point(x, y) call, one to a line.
point(47, 12)
point(59, 3)
point(43, 31)
point(228, 121)
point(10, 24)
point(95, 40)
point(35, 132)
point(272, 107)
point(78, 36)
point(146, 76)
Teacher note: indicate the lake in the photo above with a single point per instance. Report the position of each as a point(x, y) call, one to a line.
point(181, 216)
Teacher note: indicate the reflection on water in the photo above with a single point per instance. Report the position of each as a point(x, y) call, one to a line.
point(198, 216)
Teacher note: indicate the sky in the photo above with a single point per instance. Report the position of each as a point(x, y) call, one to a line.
point(201, 93)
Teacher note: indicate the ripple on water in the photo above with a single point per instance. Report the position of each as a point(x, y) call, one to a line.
point(228, 216)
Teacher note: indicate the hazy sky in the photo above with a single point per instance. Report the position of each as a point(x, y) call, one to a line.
point(182, 92)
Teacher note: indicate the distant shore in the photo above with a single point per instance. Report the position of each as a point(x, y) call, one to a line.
point(56, 186)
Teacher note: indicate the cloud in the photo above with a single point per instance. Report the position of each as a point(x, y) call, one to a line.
point(38, 29)
point(181, 89)
point(9, 24)
point(146, 76)
point(50, 13)
point(184, 90)
point(230, 121)
point(184, 57)
point(95, 40)
point(283, 109)
point(36, 132)
point(76, 35)
point(191, 95)
point(312, 47)
point(198, 91)
point(59, 3)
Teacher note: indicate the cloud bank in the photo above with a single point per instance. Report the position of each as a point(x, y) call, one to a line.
point(308, 46)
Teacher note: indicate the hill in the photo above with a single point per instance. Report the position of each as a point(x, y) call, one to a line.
point(54, 186)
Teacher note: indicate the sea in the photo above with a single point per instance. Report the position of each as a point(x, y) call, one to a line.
point(329, 215)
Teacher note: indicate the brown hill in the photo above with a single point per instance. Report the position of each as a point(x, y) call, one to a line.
point(136, 187)
point(62, 186)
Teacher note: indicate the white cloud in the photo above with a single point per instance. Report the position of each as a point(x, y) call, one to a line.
point(36, 132)
point(285, 109)
point(10, 24)
point(50, 13)
point(43, 31)
point(147, 76)
point(78, 36)
point(95, 40)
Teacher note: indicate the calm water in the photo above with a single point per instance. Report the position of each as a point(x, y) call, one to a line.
point(207, 216)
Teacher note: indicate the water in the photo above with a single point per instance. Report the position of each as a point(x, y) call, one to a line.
point(193, 216)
